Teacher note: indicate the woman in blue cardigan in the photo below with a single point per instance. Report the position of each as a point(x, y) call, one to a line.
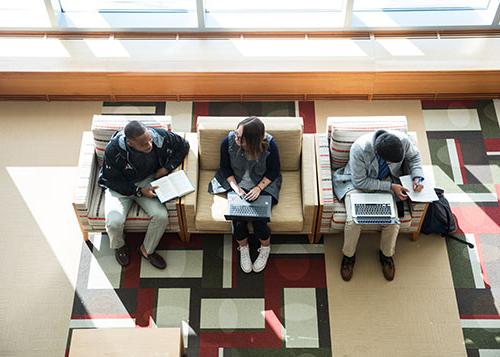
point(250, 166)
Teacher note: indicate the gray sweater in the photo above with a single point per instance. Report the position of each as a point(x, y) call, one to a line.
point(361, 170)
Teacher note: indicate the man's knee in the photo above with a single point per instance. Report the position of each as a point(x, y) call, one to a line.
point(115, 221)
point(160, 216)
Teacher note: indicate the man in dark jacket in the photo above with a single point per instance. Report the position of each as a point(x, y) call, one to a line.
point(133, 158)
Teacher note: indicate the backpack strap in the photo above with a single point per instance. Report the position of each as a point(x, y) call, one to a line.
point(448, 235)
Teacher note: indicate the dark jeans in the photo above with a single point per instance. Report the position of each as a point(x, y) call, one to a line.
point(260, 228)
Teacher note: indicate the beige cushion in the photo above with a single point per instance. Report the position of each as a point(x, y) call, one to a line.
point(343, 131)
point(286, 215)
point(287, 131)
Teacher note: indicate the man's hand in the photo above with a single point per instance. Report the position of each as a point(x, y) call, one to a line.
point(253, 194)
point(417, 184)
point(149, 191)
point(399, 191)
point(161, 172)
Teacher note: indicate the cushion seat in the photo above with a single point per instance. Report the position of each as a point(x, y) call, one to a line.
point(286, 215)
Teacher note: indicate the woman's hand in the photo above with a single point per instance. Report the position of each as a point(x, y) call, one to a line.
point(253, 194)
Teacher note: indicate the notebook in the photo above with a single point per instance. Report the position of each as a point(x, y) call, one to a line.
point(171, 186)
point(239, 208)
point(373, 208)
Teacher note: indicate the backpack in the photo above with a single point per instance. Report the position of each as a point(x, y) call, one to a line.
point(440, 219)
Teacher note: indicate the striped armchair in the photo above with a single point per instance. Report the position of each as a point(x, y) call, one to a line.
point(88, 199)
point(296, 211)
point(332, 152)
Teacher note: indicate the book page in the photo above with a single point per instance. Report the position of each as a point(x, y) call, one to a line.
point(181, 183)
point(426, 195)
point(165, 191)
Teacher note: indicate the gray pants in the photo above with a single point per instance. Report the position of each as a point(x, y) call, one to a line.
point(116, 207)
point(352, 232)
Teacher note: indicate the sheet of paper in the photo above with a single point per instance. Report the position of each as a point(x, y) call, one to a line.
point(165, 191)
point(426, 195)
point(181, 183)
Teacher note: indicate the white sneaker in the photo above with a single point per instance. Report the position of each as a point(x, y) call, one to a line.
point(261, 261)
point(245, 261)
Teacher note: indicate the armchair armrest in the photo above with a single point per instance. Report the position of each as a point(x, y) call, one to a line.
point(309, 183)
point(191, 167)
point(325, 185)
point(87, 170)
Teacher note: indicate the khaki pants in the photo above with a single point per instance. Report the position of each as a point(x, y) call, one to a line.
point(352, 232)
point(116, 207)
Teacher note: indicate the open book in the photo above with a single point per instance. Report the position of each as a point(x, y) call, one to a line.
point(426, 195)
point(171, 186)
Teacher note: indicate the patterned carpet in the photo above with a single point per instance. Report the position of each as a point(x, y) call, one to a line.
point(464, 140)
point(284, 311)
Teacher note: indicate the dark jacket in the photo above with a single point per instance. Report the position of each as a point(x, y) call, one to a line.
point(234, 163)
point(118, 171)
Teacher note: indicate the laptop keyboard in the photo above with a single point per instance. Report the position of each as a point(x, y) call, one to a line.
point(372, 209)
point(248, 211)
point(374, 220)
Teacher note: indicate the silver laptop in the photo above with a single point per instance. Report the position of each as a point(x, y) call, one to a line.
point(373, 208)
point(239, 208)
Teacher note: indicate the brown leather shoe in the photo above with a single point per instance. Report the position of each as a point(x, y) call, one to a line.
point(347, 267)
point(388, 267)
point(155, 259)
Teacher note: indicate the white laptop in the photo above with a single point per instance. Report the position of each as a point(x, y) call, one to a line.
point(373, 208)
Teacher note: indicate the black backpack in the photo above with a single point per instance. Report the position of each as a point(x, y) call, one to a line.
point(440, 219)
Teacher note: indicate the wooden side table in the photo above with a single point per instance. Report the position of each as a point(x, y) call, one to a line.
point(123, 342)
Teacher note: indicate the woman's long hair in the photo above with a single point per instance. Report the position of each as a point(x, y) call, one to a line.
point(253, 134)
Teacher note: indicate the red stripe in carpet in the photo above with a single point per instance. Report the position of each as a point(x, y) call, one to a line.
point(131, 273)
point(492, 144)
point(478, 219)
point(199, 109)
point(306, 111)
point(480, 317)
point(146, 301)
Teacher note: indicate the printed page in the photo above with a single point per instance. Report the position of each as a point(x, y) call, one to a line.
point(166, 191)
point(181, 183)
point(426, 195)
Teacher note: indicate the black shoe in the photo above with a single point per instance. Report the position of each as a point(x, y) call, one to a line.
point(347, 267)
point(155, 259)
point(388, 267)
point(121, 255)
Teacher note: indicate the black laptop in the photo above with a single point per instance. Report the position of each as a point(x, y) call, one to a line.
point(241, 209)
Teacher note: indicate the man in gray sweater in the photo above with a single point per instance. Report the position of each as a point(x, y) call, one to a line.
point(375, 159)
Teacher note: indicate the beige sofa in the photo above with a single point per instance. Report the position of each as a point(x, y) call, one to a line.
point(88, 199)
point(297, 208)
point(332, 152)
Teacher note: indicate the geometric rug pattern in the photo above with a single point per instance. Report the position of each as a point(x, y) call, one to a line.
point(283, 311)
point(222, 311)
point(464, 142)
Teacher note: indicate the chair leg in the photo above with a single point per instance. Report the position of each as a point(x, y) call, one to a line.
point(310, 238)
point(415, 236)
